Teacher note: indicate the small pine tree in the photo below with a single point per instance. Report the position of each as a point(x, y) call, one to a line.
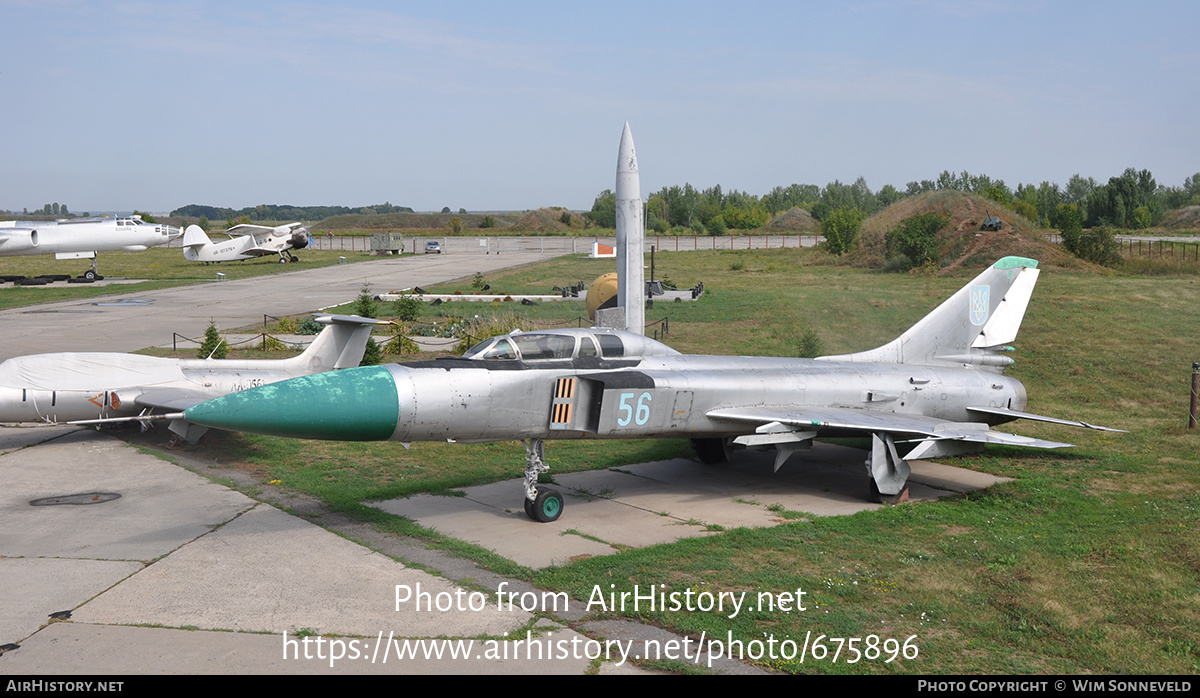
point(372, 355)
point(810, 346)
point(366, 305)
point(213, 346)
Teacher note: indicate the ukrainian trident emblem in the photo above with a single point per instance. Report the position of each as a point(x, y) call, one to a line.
point(979, 304)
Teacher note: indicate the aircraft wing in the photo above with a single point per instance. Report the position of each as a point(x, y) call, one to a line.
point(247, 229)
point(1013, 414)
point(172, 399)
point(263, 233)
point(811, 419)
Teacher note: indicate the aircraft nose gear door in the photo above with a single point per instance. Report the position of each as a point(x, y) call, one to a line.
point(547, 505)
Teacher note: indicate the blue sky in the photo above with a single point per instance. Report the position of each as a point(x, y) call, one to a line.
point(485, 106)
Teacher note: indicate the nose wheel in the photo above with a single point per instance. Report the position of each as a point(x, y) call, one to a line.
point(545, 505)
point(548, 506)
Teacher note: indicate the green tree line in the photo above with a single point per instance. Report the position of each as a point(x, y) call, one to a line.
point(1131, 200)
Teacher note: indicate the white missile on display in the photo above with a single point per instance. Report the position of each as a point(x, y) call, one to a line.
point(631, 232)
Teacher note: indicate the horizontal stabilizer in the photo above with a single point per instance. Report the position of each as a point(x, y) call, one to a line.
point(194, 236)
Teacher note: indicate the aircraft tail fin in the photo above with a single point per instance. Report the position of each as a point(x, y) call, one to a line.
point(195, 236)
point(971, 327)
point(340, 345)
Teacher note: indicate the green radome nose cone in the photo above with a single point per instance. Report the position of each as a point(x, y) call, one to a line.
point(356, 404)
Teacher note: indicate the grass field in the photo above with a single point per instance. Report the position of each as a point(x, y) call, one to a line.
point(1088, 562)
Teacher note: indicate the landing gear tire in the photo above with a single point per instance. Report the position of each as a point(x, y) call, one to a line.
point(880, 498)
point(529, 509)
point(90, 275)
point(292, 258)
point(711, 451)
point(548, 506)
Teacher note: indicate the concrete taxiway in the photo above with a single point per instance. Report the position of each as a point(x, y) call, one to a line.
point(179, 574)
point(132, 321)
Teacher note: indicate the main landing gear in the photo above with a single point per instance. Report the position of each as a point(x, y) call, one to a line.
point(93, 274)
point(547, 505)
point(888, 472)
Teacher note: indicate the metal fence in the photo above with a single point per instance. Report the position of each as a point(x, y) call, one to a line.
point(1162, 249)
point(560, 245)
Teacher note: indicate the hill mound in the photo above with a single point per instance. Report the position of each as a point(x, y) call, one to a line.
point(410, 221)
point(793, 220)
point(548, 220)
point(964, 245)
point(1186, 218)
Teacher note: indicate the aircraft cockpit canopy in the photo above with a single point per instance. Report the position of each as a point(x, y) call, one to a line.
point(549, 345)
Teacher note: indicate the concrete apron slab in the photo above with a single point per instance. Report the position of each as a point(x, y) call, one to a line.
point(179, 551)
point(651, 503)
point(14, 437)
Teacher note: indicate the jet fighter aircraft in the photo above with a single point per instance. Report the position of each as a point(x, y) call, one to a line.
point(245, 242)
point(939, 384)
point(82, 238)
point(106, 387)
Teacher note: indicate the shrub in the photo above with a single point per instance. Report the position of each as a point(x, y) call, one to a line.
point(269, 343)
point(1099, 246)
point(897, 263)
point(408, 307)
point(1070, 225)
point(487, 222)
point(917, 238)
point(309, 325)
point(1026, 209)
point(400, 343)
point(840, 228)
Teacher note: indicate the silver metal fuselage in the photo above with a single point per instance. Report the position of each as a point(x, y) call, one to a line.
point(19, 238)
point(669, 396)
point(118, 380)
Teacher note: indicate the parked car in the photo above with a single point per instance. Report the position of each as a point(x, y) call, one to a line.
point(433, 246)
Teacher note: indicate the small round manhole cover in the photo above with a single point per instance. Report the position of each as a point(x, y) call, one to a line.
point(83, 498)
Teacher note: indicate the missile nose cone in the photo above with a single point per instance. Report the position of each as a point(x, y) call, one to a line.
point(626, 155)
point(355, 404)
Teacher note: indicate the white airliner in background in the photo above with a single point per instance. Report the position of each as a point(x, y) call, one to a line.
point(82, 238)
